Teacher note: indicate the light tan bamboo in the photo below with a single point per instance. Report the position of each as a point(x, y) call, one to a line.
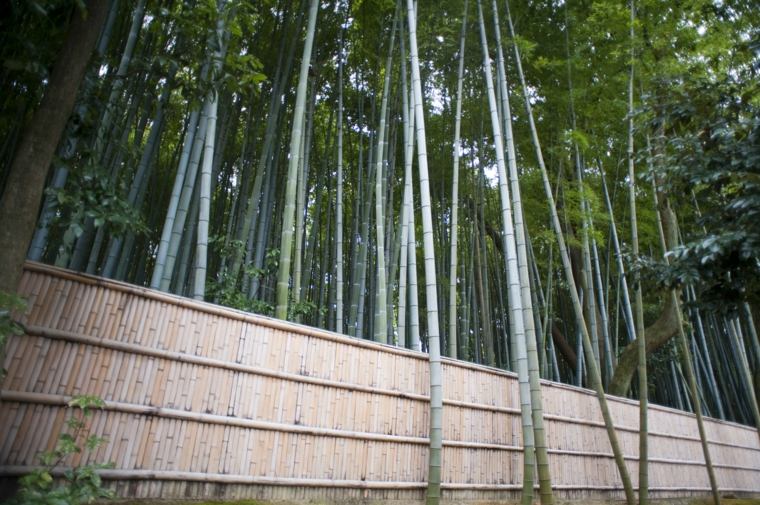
point(203, 396)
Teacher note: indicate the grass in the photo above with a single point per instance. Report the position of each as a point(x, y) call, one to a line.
point(727, 501)
point(680, 501)
point(695, 501)
point(190, 502)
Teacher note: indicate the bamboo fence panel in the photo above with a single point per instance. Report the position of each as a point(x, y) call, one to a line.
point(209, 401)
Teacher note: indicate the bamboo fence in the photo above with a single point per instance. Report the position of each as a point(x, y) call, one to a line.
point(207, 401)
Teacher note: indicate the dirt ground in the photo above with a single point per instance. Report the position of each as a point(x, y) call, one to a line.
point(727, 501)
point(681, 501)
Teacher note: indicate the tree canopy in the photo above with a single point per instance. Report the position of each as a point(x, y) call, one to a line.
point(203, 133)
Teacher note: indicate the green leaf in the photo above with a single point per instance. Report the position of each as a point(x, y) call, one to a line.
point(74, 423)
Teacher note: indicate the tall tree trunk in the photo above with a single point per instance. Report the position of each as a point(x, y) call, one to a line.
point(100, 152)
point(25, 183)
point(68, 150)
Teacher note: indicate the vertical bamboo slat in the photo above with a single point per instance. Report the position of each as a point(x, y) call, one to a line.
point(314, 420)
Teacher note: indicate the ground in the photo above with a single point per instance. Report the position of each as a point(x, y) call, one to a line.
point(694, 501)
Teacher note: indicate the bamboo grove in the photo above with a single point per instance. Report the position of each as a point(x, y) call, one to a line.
point(323, 161)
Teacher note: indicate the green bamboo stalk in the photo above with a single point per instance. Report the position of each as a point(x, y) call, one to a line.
point(201, 254)
point(301, 190)
point(286, 243)
point(520, 233)
point(452, 342)
point(513, 278)
point(381, 302)
point(436, 379)
point(407, 118)
point(638, 301)
point(593, 370)
point(686, 354)
point(185, 200)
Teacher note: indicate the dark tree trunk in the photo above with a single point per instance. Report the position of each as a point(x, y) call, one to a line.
point(21, 199)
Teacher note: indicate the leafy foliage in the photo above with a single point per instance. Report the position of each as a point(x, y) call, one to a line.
point(224, 289)
point(577, 58)
point(710, 147)
point(81, 484)
point(304, 309)
point(93, 196)
point(8, 326)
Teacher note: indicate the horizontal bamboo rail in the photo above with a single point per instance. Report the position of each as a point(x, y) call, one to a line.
point(185, 358)
point(198, 395)
point(247, 479)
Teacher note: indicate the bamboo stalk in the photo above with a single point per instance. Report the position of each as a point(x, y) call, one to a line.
point(592, 368)
point(454, 232)
point(518, 320)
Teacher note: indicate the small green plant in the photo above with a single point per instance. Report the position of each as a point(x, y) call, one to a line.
point(224, 289)
point(8, 304)
point(261, 307)
point(302, 309)
point(80, 484)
